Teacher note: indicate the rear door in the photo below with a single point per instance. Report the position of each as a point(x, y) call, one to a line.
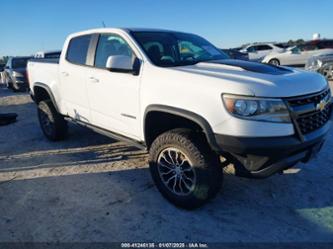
point(113, 96)
point(73, 71)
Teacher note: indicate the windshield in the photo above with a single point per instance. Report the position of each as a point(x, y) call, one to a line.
point(169, 49)
point(20, 62)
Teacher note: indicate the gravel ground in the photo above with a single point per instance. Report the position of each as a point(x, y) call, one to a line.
point(91, 188)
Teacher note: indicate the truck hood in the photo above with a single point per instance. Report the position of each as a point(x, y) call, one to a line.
point(263, 80)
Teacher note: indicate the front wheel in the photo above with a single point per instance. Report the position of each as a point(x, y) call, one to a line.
point(184, 169)
point(53, 124)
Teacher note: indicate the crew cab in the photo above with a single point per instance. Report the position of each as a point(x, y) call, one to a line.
point(181, 98)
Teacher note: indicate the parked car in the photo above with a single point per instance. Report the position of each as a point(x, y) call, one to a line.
point(322, 63)
point(15, 73)
point(187, 107)
point(298, 55)
point(235, 54)
point(48, 54)
point(258, 51)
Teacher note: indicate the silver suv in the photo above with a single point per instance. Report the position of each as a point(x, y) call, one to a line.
point(15, 76)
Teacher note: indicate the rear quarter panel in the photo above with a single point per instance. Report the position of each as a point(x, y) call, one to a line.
point(48, 74)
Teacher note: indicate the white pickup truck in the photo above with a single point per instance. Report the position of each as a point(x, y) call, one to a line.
point(182, 99)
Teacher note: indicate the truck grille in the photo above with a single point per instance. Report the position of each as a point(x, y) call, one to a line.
point(312, 111)
point(312, 122)
point(315, 99)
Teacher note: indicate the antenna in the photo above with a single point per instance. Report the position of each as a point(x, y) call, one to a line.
point(103, 24)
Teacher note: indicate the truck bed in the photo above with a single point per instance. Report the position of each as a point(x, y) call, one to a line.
point(44, 71)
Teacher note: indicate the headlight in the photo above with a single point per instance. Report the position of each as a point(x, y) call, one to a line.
point(260, 109)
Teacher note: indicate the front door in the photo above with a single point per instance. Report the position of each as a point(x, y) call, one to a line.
point(114, 96)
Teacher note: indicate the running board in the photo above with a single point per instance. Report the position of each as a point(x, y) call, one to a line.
point(137, 144)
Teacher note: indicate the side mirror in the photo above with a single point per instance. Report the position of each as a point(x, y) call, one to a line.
point(119, 63)
point(123, 64)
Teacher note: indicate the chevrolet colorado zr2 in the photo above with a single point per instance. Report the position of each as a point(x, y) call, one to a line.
point(186, 102)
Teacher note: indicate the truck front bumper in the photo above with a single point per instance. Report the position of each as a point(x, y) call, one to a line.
point(259, 157)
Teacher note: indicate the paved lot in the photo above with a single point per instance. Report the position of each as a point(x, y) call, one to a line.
point(91, 188)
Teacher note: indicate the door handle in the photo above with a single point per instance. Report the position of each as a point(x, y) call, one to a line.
point(65, 74)
point(93, 79)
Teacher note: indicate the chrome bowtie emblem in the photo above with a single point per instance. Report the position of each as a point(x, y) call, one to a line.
point(321, 105)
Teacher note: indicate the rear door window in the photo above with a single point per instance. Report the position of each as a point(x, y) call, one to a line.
point(78, 49)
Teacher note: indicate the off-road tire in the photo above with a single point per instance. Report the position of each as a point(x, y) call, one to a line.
point(206, 164)
point(57, 127)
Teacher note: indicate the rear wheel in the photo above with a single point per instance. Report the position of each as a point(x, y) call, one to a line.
point(184, 169)
point(53, 124)
point(275, 62)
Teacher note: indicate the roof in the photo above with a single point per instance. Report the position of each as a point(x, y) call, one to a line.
point(126, 30)
point(149, 30)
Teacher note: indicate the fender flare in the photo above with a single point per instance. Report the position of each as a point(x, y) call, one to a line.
point(48, 90)
point(194, 117)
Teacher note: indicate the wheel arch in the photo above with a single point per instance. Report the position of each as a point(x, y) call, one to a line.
point(41, 92)
point(155, 112)
point(274, 59)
